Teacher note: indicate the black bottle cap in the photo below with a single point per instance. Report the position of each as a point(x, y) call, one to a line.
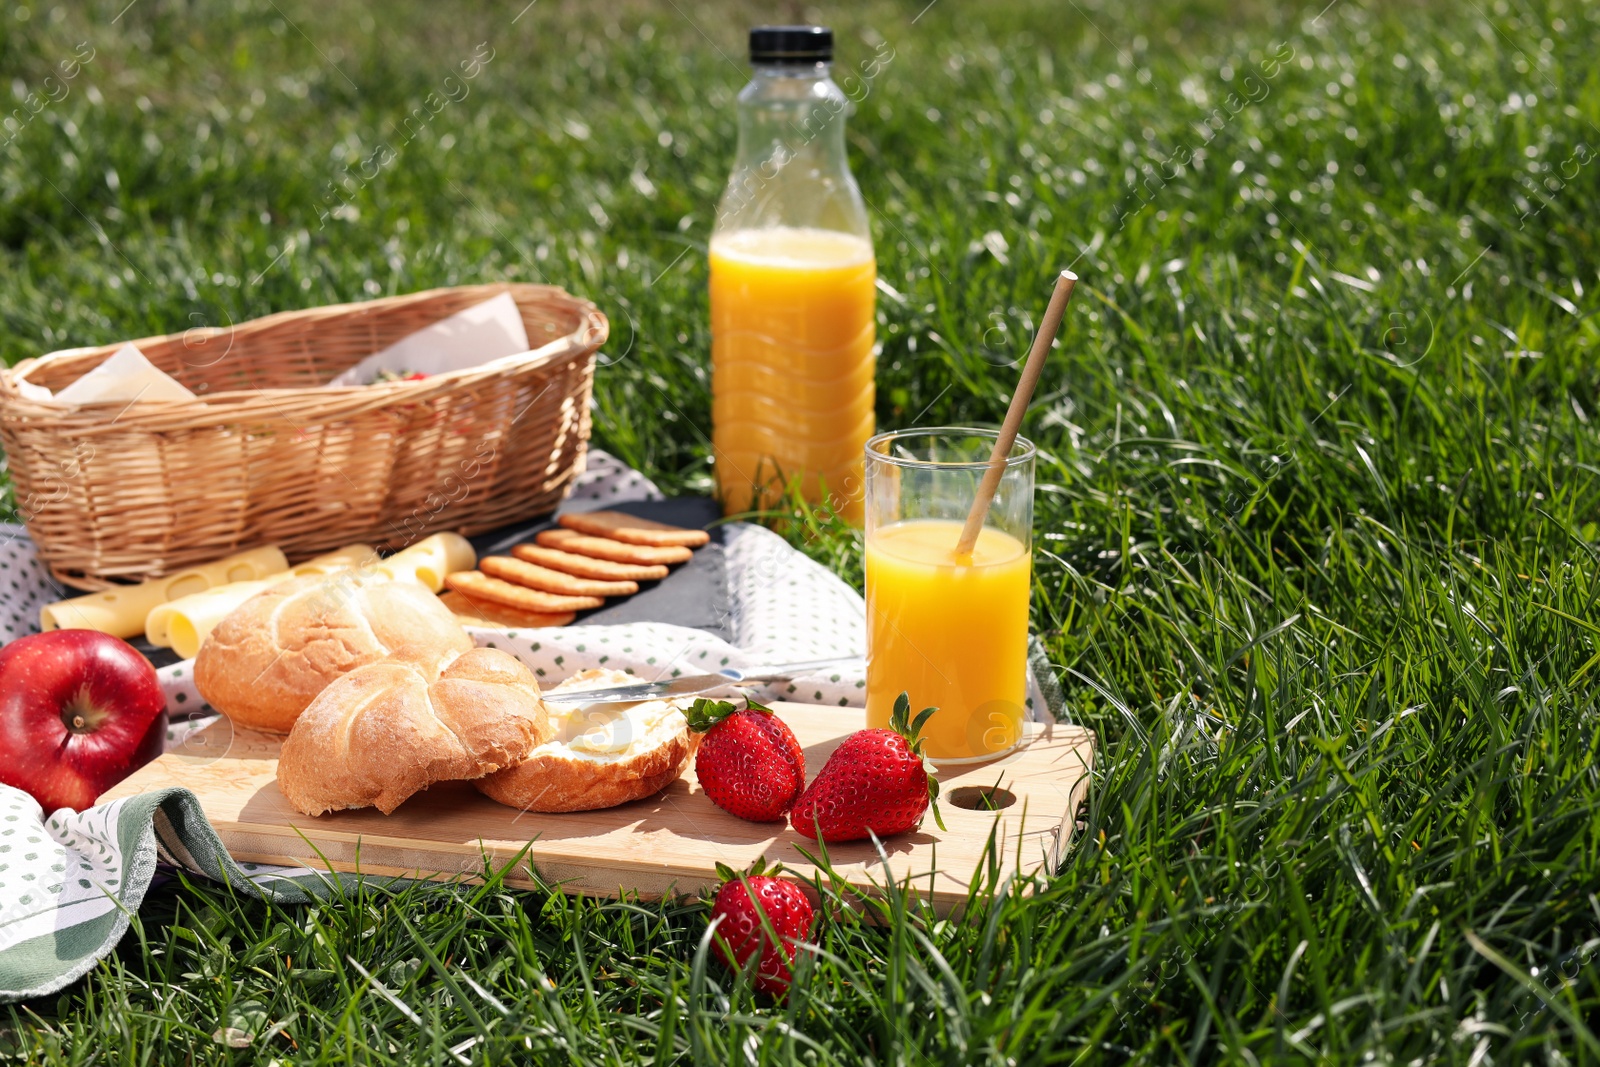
point(791, 44)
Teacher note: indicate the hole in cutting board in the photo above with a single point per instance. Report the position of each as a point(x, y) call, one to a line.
point(981, 797)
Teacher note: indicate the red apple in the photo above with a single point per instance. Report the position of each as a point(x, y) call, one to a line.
point(79, 711)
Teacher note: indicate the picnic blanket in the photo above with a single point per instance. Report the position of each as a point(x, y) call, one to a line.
point(70, 881)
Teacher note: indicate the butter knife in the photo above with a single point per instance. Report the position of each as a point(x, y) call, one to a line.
point(691, 684)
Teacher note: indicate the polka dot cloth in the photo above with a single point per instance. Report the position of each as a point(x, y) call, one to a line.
point(606, 480)
point(783, 607)
point(25, 584)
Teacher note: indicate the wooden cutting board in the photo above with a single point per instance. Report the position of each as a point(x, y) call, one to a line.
point(666, 845)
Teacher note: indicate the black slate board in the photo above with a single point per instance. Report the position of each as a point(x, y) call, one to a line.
point(693, 594)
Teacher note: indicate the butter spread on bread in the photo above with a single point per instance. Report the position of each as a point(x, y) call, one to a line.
point(598, 756)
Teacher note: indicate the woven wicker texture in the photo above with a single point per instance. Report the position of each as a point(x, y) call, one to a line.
point(116, 492)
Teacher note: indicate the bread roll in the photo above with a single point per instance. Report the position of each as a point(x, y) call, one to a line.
point(272, 655)
point(597, 757)
point(390, 729)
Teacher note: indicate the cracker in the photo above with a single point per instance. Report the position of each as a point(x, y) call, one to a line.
point(521, 572)
point(588, 566)
point(480, 612)
point(631, 530)
point(615, 551)
point(479, 586)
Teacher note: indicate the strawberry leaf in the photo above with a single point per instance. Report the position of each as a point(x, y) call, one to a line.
point(759, 867)
point(900, 717)
point(703, 714)
point(933, 802)
point(900, 721)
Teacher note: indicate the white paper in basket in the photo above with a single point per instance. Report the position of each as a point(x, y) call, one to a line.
point(126, 376)
point(481, 334)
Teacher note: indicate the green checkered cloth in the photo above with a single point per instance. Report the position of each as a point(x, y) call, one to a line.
point(70, 883)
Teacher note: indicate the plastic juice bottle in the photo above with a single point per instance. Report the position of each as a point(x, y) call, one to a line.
point(793, 288)
point(952, 634)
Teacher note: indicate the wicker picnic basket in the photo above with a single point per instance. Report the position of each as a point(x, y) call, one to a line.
point(266, 455)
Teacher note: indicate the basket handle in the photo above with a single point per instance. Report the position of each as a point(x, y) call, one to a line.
point(545, 351)
point(20, 372)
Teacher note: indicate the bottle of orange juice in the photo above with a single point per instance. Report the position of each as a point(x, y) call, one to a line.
point(793, 284)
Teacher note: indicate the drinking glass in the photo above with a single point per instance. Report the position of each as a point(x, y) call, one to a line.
point(949, 631)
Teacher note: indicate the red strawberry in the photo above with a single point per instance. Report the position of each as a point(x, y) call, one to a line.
point(749, 762)
point(874, 783)
point(741, 932)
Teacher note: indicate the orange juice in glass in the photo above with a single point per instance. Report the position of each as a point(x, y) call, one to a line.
point(951, 631)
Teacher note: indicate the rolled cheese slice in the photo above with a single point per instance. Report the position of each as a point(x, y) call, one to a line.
point(121, 611)
point(348, 556)
point(430, 559)
point(183, 624)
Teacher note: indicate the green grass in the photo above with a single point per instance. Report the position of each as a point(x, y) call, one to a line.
point(1317, 513)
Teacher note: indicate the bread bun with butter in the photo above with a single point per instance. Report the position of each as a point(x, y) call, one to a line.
point(598, 757)
point(390, 729)
point(270, 657)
